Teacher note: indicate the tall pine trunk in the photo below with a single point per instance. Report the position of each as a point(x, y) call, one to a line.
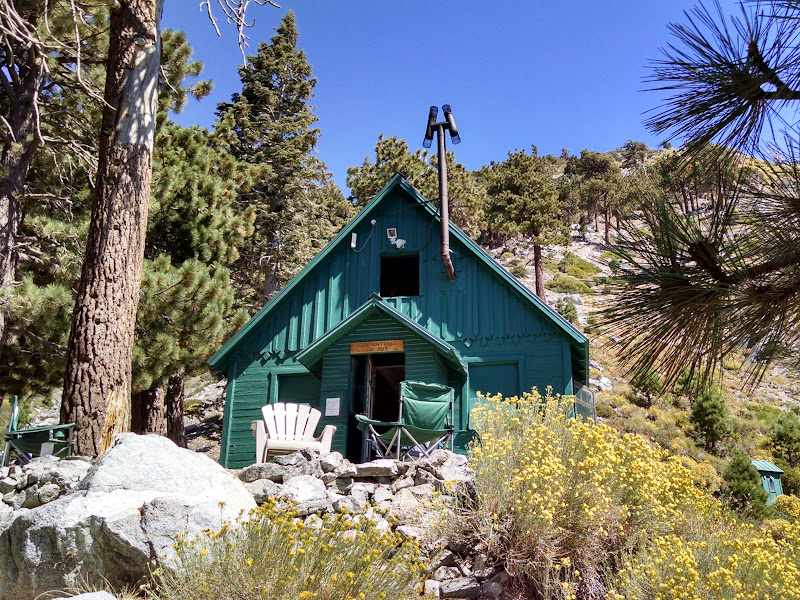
point(608, 224)
point(174, 402)
point(97, 381)
point(538, 271)
point(147, 410)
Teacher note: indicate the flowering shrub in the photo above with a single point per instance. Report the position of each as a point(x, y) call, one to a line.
point(742, 562)
point(787, 506)
point(560, 499)
point(275, 555)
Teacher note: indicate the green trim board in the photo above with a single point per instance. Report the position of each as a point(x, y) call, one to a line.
point(579, 343)
point(312, 356)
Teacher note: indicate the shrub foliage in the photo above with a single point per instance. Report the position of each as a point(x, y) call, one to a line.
point(276, 555)
point(577, 511)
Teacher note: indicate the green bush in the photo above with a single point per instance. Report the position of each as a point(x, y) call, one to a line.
point(517, 268)
point(785, 438)
point(648, 386)
point(605, 411)
point(609, 255)
point(576, 266)
point(567, 309)
point(709, 416)
point(567, 284)
point(790, 480)
point(591, 323)
point(275, 555)
point(549, 265)
point(745, 493)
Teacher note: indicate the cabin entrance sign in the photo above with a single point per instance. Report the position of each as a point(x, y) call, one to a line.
point(376, 347)
point(333, 332)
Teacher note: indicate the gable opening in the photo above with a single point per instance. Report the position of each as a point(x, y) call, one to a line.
point(399, 276)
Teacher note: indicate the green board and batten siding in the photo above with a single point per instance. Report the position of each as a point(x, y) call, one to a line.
point(486, 315)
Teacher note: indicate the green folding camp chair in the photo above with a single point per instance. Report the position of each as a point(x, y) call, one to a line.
point(36, 441)
point(425, 422)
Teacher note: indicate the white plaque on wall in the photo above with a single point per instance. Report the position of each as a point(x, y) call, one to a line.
point(332, 407)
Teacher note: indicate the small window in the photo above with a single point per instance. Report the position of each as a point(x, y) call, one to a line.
point(399, 276)
point(771, 485)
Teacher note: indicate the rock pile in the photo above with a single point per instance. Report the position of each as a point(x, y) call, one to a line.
point(66, 520)
point(403, 490)
point(120, 521)
point(331, 483)
point(39, 482)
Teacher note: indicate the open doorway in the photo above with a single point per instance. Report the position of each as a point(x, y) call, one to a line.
point(375, 392)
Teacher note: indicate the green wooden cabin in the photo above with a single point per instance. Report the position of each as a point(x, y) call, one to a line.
point(770, 479)
point(375, 307)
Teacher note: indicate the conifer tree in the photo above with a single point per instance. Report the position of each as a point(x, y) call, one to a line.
point(744, 490)
point(524, 198)
point(466, 196)
point(709, 416)
point(701, 286)
point(297, 206)
point(785, 438)
point(186, 309)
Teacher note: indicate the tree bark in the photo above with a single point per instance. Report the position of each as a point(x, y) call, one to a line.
point(175, 427)
point(147, 410)
point(608, 224)
point(97, 381)
point(538, 271)
point(596, 222)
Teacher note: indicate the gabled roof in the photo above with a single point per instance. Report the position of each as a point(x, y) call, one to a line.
point(766, 466)
point(579, 343)
point(311, 357)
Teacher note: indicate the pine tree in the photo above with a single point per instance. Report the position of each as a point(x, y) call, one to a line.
point(271, 125)
point(186, 309)
point(466, 196)
point(48, 105)
point(744, 490)
point(785, 438)
point(524, 198)
point(709, 416)
point(703, 285)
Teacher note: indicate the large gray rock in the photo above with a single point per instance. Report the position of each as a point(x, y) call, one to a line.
point(306, 494)
point(272, 471)
point(262, 490)
point(463, 587)
point(383, 467)
point(455, 469)
point(123, 519)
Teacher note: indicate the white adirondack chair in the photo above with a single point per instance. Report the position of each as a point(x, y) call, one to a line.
point(288, 428)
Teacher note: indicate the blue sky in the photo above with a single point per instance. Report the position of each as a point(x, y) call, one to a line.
point(555, 74)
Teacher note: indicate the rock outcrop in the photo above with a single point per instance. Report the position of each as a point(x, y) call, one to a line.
point(122, 520)
point(68, 521)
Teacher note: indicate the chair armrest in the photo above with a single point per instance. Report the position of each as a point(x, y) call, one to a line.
point(260, 433)
point(327, 438)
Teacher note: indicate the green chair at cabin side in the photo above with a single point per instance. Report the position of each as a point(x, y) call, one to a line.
point(29, 443)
